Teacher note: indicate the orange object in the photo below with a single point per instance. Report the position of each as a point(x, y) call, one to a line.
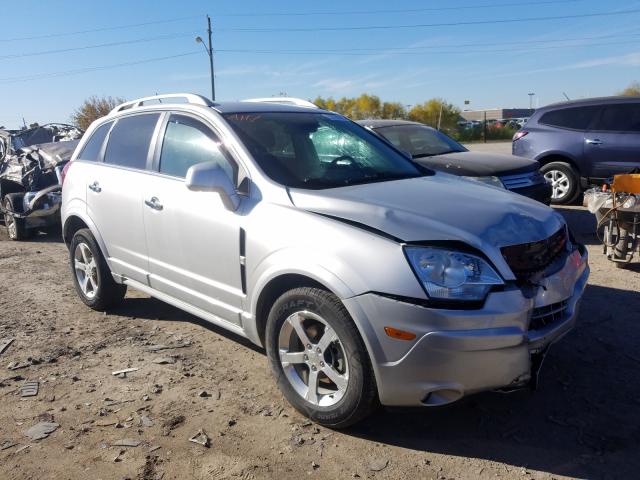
point(628, 183)
point(399, 334)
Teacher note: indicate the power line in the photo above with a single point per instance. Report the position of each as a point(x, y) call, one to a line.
point(425, 25)
point(408, 10)
point(397, 51)
point(99, 45)
point(65, 73)
point(102, 29)
point(418, 49)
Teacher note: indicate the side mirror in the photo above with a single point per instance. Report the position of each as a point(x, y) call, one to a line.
point(209, 177)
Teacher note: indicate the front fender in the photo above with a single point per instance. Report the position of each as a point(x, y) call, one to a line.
point(289, 261)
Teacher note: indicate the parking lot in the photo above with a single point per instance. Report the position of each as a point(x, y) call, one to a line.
point(582, 422)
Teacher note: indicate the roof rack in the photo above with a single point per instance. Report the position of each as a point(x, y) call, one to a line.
point(191, 98)
point(284, 101)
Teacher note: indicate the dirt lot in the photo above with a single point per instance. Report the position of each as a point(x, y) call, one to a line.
point(584, 421)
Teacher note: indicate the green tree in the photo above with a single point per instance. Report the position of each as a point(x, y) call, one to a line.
point(436, 112)
point(393, 110)
point(93, 108)
point(633, 90)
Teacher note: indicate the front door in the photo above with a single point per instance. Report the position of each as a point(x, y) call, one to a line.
point(193, 240)
point(613, 146)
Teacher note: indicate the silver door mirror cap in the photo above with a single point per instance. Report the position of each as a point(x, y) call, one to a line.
point(209, 177)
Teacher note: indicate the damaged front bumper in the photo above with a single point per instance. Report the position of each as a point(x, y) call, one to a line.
point(459, 352)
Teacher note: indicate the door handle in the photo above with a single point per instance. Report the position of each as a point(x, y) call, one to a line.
point(154, 203)
point(594, 141)
point(95, 186)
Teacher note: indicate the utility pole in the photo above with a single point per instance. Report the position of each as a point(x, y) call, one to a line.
point(484, 127)
point(213, 84)
point(209, 51)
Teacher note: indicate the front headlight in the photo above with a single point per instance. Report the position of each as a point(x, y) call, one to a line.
point(493, 181)
point(450, 275)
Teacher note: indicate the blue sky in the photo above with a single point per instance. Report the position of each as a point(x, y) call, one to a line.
point(492, 65)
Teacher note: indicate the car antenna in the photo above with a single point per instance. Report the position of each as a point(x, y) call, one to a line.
point(566, 96)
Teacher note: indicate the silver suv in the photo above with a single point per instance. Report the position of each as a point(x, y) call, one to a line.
point(367, 278)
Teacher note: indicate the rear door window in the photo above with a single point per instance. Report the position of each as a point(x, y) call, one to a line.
point(93, 147)
point(576, 118)
point(188, 142)
point(129, 141)
point(620, 118)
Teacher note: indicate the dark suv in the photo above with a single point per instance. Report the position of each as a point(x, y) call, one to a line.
point(582, 142)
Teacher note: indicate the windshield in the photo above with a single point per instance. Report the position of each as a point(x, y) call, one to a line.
point(420, 141)
point(318, 150)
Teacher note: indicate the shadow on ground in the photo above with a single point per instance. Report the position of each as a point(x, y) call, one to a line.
point(582, 223)
point(583, 421)
point(149, 308)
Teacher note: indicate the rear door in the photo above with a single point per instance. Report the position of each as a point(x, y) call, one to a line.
point(613, 144)
point(114, 194)
point(194, 242)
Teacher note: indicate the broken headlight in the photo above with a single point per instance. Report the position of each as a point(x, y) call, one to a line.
point(451, 275)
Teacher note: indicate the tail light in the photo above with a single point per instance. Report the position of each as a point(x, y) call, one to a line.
point(519, 134)
point(63, 175)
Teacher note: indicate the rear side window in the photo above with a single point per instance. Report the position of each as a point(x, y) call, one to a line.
point(188, 142)
point(620, 118)
point(129, 141)
point(93, 147)
point(577, 118)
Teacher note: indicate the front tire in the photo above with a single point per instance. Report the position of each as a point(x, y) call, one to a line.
point(564, 180)
point(318, 358)
point(16, 228)
point(91, 274)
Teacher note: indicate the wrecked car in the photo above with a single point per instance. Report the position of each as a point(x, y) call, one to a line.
point(31, 164)
point(367, 278)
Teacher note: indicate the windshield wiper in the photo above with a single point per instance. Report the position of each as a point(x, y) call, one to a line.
point(423, 155)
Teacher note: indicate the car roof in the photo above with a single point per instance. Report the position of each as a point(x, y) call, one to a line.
point(376, 123)
point(589, 101)
point(262, 107)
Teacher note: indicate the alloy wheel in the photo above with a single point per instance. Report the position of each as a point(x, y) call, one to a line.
point(313, 359)
point(86, 270)
point(560, 183)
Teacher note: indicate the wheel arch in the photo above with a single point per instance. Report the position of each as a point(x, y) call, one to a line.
point(274, 288)
point(549, 157)
point(75, 221)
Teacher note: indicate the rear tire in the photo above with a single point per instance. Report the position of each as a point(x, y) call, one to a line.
point(16, 227)
point(312, 340)
point(565, 182)
point(91, 274)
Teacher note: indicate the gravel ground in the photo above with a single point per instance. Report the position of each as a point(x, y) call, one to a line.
point(584, 421)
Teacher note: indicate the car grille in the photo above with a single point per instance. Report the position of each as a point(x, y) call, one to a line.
point(522, 180)
point(549, 314)
point(529, 258)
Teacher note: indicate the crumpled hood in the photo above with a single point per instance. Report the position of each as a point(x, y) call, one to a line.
point(477, 164)
point(438, 207)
